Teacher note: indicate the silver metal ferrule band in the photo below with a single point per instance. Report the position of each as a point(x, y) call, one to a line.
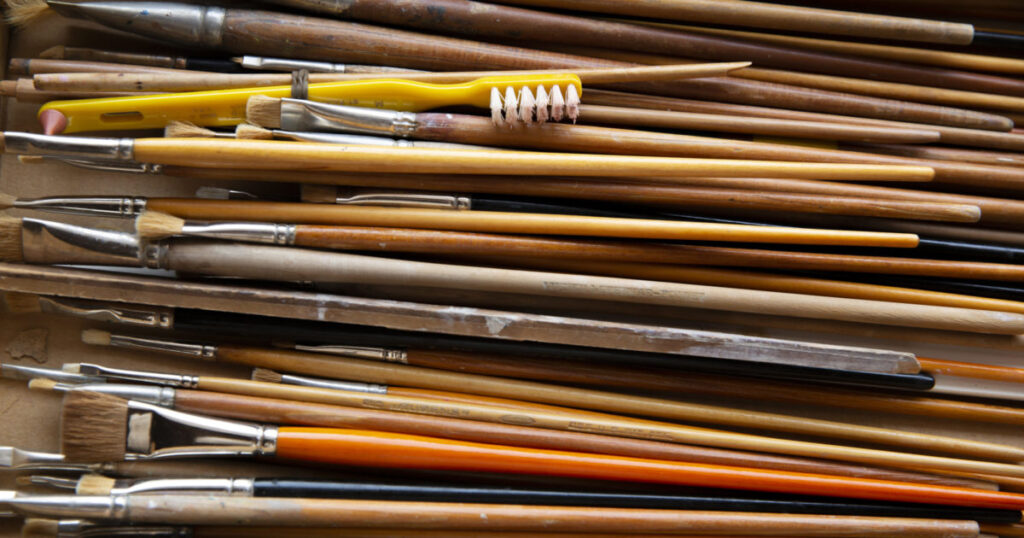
point(135, 315)
point(359, 352)
point(333, 384)
point(300, 115)
point(111, 149)
point(208, 436)
point(154, 378)
point(46, 241)
point(253, 232)
point(162, 396)
point(114, 507)
point(14, 457)
point(233, 487)
point(403, 199)
point(17, 371)
point(84, 205)
point(197, 351)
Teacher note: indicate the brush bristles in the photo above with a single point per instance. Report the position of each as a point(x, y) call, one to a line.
point(7, 200)
point(55, 52)
point(156, 225)
point(184, 129)
point(526, 106)
point(96, 337)
point(266, 376)
point(10, 240)
point(264, 111)
point(248, 131)
point(94, 484)
point(25, 12)
point(39, 528)
point(319, 194)
point(21, 303)
point(94, 427)
point(42, 385)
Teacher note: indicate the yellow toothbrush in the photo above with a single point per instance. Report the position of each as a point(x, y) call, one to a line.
point(511, 98)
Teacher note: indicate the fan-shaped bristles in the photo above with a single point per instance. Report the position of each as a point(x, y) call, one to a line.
point(16, 302)
point(7, 200)
point(94, 484)
point(10, 240)
point(94, 337)
point(24, 12)
point(319, 194)
point(94, 427)
point(152, 225)
point(185, 129)
point(266, 376)
point(263, 111)
point(248, 131)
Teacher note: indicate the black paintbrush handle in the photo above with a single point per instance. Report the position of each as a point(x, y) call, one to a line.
point(214, 65)
point(314, 332)
point(714, 500)
point(998, 40)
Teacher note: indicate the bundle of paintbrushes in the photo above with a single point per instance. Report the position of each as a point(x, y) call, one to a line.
point(525, 268)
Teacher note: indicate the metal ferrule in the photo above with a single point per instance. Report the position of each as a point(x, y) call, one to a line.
point(154, 378)
point(16, 371)
point(113, 507)
point(221, 193)
point(105, 165)
point(15, 457)
point(301, 115)
point(359, 352)
point(234, 487)
point(285, 64)
point(109, 149)
point(162, 396)
point(404, 199)
point(135, 315)
point(50, 242)
point(185, 24)
point(251, 232)
point(195, 351)
point(333, 384)
point(85, 205)
point(78, 528)
point(55, 482)
point(187, 435)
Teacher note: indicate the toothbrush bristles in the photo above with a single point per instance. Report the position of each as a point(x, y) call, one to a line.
point(527, 104)
point(572, 103)
point(542, 103)
point(557, 103)
point(496, 106)
point(523, 106)
point(511, 107)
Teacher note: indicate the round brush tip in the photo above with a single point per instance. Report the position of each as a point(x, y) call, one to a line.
point(96, 337)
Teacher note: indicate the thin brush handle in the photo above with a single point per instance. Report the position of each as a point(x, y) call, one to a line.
point(292, 264)
point(708, 500)
point(418, 412)
point(282, 155)
point(342, 368)
point(375, 449)
point(588, 138)
point(997, 158)
point(1005, 374)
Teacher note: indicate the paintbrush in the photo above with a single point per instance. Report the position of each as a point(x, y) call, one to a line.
point(331, 403)
point(320, 37)
point(98, 427)
point(368, 371)
point(277, 155)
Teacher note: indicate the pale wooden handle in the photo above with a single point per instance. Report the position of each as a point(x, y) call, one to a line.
point(280, 263)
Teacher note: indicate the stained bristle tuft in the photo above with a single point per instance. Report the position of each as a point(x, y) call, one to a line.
point(511, 107)
point(496, 106)
point(152, 225)
point(557, 103)
point(39, 528)
point(526, 105)
point(21, 303)
point(31, 159)
point(96, 337)
point(7, 200)
point(95, 484)
point(25, 12)
point(94, 427)
point(542, 104)
point(55, 52)
point(266, 376)
point(42, 385)
point(319, 194)
point(10, 240)
point(572, 103)
point(185, 129)
point(248, 131)
point(264, 111)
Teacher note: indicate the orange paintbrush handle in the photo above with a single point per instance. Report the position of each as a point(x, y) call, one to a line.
point(379, 449)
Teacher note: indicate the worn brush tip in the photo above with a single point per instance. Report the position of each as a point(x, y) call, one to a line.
point(263, 111)
point(72, 367)
point(96, 337)
point(31, 159)
point(53, 121)
point(42, 385)
point(55, 52)
point(152, 225)
point(94, 484)
point(319, 194)
point(94, 427)
point(39, 528)
point(10, 239)
point(248, 131)
point(7, 200)
point(17, 302)
point(185, 129)
point(266, 376)
point(25, 12)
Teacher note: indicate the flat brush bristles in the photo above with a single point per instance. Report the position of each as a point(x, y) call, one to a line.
point(263, 111)
point(247, 131)
point(95, 337)
point(40, 528)
point(7, 200)
point(153, 225)
point(21, 303)
point(10, 240)
point(319, 194)
point(184, 129)
point(266, 376)
point(25, 12)
point(94, 427)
